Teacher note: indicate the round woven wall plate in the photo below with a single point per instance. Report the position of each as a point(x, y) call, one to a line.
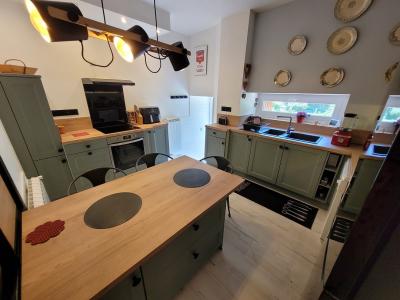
point(349, 10)
point(297, 45)
point(332, 77)
point(390, 72)
point(342, 40)
point(283, 78)
point(394, 36)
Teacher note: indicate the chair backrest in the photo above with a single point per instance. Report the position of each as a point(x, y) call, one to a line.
point(95, 176)
point(149, 160)
point(222, 163)
point(11, 207)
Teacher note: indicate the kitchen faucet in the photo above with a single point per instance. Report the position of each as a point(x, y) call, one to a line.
point(290, 128)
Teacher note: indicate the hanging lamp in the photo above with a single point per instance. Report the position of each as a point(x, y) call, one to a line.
point(131, 49)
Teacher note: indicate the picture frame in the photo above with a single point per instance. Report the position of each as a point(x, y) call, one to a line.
point(201, 59)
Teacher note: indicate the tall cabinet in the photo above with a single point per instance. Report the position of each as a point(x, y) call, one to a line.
point(26, 116)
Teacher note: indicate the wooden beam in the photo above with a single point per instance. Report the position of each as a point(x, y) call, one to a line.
point(110, 30)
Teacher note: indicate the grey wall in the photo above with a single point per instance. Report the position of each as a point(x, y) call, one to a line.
point(365, 64)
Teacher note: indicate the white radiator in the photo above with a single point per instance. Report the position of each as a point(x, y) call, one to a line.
point(175, 139)
point(37, 195)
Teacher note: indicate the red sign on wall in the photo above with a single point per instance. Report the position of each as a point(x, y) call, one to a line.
point(201, 60)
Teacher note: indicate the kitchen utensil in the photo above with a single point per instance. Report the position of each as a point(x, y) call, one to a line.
point(282, 78)
point(342, 137)
point(7, 68)
point(349, 10)
point(342, 40)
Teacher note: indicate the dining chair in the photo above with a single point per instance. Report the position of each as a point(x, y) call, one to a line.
point(150, 159)
point(222, 164)
point(96, 176)
point(11, 207)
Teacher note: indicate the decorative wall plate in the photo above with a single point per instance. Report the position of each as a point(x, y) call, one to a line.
point(394, 36)
point(332, 77)
point(390, 72)
point(342, 40)
point(297, 44)
point(283, 78)
point(349, 10)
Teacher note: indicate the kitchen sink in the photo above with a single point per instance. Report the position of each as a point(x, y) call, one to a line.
point(381, 150)
point(303, 137)
point(276, 132)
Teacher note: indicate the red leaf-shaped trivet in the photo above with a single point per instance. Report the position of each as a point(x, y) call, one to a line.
point(44, 232)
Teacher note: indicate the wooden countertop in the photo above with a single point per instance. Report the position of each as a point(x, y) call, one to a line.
point(91, 133)
point(324, 144)
point(82, 262)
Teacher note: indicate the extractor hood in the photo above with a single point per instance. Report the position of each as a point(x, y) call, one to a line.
point(102, 81)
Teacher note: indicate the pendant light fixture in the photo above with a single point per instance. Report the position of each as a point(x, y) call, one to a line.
point(52, 29)
point(63, 21)
point(131, 49)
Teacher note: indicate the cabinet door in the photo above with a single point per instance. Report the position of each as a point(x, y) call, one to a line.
point(362, 185)
point(215, 146)
point(14, 133)
point(56, 176)
point(161, 142)
point(301, 169)
point(130, 288)
point(86, 161)
point(265, 158)
point(239, 151)
point(32, 112)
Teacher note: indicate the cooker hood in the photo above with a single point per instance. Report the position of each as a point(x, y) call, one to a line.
point(87, 81)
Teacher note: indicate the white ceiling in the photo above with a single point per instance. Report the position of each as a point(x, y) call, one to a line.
point(191, 16)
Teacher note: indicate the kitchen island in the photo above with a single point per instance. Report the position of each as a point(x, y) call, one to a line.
point(83, 262)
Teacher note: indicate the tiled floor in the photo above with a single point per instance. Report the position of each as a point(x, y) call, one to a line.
point(265, 256)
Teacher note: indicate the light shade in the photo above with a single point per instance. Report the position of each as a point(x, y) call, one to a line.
point(130, 49)
point(52, 29)
point(178, 61)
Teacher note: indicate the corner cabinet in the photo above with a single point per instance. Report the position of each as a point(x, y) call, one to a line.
point(215, 143)
point(301, 169)
point(265, 159)
point(239, 151)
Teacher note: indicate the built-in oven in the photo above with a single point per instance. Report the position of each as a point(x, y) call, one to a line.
point(125, 150)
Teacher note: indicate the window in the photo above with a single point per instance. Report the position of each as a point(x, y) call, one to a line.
point(321, 108)
point(390, 115)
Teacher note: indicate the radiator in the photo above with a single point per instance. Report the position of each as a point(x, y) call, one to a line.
point(174, 133)
point(37, 195)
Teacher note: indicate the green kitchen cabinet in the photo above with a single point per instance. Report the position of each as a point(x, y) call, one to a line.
point(239, 151)
point(82, 162)
point(56, 175)
point(31, 110)
point(130, 288)
point(363, 180)
point(173, 266)
point(301, 169)
point(265, 159)
point(215, 143)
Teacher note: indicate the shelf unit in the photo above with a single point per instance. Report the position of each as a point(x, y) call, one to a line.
point(329, 176)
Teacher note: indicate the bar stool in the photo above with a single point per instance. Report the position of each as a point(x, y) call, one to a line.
point(150, 159)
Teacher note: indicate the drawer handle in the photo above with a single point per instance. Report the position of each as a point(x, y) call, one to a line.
point(60, 150)
point(281, 147)
point(214, 132)
point(196, 227)
point(286, 148)
point(90, 153)
point(63, 160)
point(87, 146)
point(195, 255)
point(223, 143)
point(136, 280)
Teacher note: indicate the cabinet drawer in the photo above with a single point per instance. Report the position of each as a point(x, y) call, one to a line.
point(210, 224)
point(216, 133)
point(85, 146)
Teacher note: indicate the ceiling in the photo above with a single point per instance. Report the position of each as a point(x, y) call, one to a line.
point(191, 16)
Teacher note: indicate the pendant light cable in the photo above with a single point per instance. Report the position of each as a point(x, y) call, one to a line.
point(159, 57)
point(108, 43)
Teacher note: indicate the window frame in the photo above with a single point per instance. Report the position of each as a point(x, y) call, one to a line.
point(384, 126)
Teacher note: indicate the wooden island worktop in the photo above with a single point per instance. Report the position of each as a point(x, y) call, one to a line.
point(83, 262)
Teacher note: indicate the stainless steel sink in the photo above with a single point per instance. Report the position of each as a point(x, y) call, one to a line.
point(381, 150)
point(276, 132)
point(303, 137)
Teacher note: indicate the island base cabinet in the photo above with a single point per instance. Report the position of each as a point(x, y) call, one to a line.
point(130, 288)
point(169, 270)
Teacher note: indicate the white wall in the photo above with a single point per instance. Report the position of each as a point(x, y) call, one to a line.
point(62, 68)
point(234, 32)
point(365, 64)
point(12, 163)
